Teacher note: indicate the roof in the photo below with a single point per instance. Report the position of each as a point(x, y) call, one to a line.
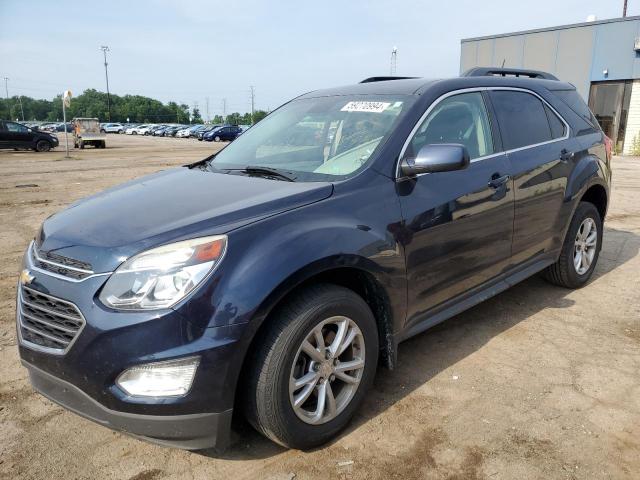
point(418, 86)
point(551, 29)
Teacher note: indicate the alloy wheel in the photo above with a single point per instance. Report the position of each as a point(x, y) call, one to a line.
point(585, 244)
point(327, 370)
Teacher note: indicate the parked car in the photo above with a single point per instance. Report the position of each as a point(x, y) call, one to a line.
point(17, 136)
point(206, 130)
point(275, 276)
point(193, 133)
point(171, 132)
point(136, 130)
point(159, 132)
point(226, 133)
point(183, 132)
point(60, 127)
point(113, 128)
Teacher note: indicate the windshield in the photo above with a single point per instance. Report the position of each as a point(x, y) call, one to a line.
point(316, 139)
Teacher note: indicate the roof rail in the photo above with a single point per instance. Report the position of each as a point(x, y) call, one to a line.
point(384, 79)
point(507, 72)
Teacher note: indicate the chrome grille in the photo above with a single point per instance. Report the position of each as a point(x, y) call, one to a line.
point(59, 265)
point(46, 322)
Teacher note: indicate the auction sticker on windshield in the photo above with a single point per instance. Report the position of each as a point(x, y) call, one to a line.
point(375, 107)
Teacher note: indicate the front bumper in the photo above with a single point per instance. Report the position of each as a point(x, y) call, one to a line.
point(191, 432)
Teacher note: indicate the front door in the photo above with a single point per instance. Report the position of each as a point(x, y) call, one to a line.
point(18, 136)
point(458, 225)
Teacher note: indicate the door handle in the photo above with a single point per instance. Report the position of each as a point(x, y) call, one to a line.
point(497, 181)
point(565, 155)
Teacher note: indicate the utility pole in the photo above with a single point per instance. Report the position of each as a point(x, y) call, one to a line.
point(624, 9)
point(105, 49)
point(6, 91)
point(207, 103)
point(21, 109)
point(253, 101)
point(224, 110)
point(394, 61)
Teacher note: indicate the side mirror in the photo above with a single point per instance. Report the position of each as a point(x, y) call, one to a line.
point(438, 157)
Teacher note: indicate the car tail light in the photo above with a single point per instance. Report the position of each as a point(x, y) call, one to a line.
point(608, 146)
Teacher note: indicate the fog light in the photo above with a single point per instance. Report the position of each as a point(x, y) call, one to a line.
point(171, 378)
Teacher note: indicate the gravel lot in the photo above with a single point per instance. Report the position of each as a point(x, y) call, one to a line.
point(538, 382)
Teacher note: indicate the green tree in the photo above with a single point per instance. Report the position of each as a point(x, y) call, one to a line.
point(195, 116)
point(217, 120)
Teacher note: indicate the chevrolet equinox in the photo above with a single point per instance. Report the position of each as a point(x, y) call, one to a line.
point(271, 279)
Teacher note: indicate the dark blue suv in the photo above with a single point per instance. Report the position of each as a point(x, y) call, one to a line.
point(271, 279)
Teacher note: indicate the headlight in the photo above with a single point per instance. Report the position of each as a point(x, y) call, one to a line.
point(160, 277)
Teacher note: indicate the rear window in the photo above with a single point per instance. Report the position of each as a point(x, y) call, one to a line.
point(574, 101)
point(522, 119)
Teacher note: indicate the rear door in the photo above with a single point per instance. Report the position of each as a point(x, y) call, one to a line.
point(458, 225)
point(540, 149)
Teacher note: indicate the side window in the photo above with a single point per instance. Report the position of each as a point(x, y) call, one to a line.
point(16, 127)
point(522, 119)
point(457, 119)
point(557, 127)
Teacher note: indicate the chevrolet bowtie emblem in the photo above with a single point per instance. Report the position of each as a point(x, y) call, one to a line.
point(26, 277)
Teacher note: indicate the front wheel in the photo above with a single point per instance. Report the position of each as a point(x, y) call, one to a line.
point(580, 250)
point(313, 367)
point(43, 146)
point(216, 139)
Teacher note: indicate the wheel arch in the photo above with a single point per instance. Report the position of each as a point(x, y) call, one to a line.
point(357, 278)
point(597, 195)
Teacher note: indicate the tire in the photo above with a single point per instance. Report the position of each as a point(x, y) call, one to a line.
point(43, 146)
point(103, 144)
point(564, 273)
point(120, 132)
point(103, 131)
point(81, 145)
point(268, 404)
point(216, 139)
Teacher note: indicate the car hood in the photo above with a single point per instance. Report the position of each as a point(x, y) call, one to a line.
point(172, 205)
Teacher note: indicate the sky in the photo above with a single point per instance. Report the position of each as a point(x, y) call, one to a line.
point(193, 50)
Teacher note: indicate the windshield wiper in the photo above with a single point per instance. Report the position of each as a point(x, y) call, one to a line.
point(267, 171)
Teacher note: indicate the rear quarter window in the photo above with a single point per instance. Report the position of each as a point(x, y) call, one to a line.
point(574, 101)
point(522, 119)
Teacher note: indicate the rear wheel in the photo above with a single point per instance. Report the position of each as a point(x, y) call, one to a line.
point(313, 367)
point(580, 250)
point(43, 146)
point(120, 132)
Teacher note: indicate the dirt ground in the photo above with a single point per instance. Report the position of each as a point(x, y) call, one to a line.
point(538, 382)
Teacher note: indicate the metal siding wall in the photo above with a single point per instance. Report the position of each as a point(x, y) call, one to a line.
point(573, 62)
point(614, 51)
point(509, 51)
point(540, 51)
point(484, 57)
point(468, 56)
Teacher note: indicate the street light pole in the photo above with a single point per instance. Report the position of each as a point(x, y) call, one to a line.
point(624, 9)
point(105, 49)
